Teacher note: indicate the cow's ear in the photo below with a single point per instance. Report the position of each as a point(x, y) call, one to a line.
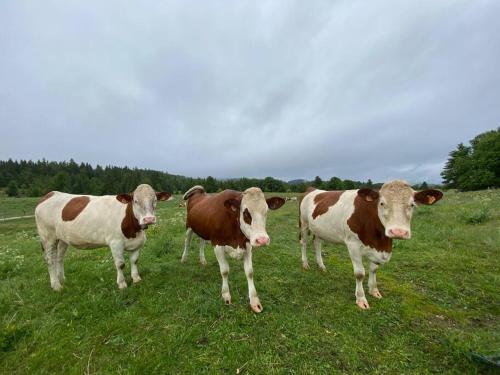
point(124, 198)
point(232, 204)
point(275, 202)
point(368, 195)
point(427, 197)
point(163, 196)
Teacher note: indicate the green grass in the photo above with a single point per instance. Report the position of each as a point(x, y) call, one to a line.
point(440, 302)
point(10, 207)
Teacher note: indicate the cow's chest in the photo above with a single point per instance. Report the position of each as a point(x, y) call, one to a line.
point(135, 242)
point(378, 257)
point(236, 253)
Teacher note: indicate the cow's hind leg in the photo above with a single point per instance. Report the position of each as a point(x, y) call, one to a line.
point(203, 261)
point(372, 281)
point(224, 271)
point(117, 251)
point(317, 250)
point(134, 271)
point(359, 273)
point(61, 251)
point(50, 250)
point(187, 242)
point(304, 228)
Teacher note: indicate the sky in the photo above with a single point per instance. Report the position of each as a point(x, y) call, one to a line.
point(289, 89)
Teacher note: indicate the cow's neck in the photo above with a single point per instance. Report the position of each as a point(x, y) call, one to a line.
point(367, 225)
point(130, 224)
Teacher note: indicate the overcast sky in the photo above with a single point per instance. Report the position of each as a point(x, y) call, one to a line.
point(290, 89)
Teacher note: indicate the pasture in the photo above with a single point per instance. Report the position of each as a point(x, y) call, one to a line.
point(441, 302)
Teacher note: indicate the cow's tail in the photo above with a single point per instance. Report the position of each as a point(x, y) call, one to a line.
point(195, 189)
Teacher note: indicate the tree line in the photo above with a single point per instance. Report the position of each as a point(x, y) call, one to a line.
point(475, 166)
point(35, 178)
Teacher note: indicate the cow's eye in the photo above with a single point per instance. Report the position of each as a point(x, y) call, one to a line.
point(136, 201)
point(247, 217)
point(382, 204)
point(413, 204)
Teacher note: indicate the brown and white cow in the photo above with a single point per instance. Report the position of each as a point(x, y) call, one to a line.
point(234, 222)
point(365, 220)
point(88, 222)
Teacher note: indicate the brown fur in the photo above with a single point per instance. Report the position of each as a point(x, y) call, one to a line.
point(211, 220)
point(74, 207)
point(367, 225)
point(45, 197)
point(324, 201)
point(130, 224)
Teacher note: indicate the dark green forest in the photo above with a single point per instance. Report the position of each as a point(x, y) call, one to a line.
point(476, 166)
point(35, 178)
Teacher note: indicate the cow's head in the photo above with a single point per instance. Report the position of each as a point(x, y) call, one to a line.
point(252, 208)
point(144, 200)
point(395, 203)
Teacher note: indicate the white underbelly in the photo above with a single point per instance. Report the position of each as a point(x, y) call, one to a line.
point(236, 253)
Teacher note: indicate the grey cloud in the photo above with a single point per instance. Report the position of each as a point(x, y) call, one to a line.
point(290, 89)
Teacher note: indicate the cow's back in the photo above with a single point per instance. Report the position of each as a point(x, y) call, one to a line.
point(82, 220)
point(327, 212)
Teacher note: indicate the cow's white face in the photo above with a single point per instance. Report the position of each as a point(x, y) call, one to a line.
point(253, 208)
point(144, 200)
point(395, 203)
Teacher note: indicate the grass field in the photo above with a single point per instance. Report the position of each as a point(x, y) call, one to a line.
point(441, 301)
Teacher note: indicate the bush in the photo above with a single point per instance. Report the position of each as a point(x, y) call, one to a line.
point(477, 216)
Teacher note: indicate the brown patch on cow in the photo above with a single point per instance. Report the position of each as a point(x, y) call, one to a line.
point(247, 217)
point(74, 207)
point(210, 219)
point(324, 201)
point(45, 197)
point(365, 222)
point(130, 224)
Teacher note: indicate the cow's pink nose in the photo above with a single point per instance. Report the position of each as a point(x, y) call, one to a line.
point(261, 241)
point(398, 233)
point(149, 220)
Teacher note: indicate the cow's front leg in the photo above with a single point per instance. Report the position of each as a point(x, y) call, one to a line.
point(372, 281)
point(117, 251)
point(134, 271)
point(252, 293)
point(224, 271)
point(359, 273)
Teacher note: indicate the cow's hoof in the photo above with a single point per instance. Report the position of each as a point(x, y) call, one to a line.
point(122, 285)
point(376, 293)
point(305, 266)
point(136, 279)
point(57, 287)
point(256, 305)
point(363, 304)
point(322, 268)
point(203, 262)
point(227, 298)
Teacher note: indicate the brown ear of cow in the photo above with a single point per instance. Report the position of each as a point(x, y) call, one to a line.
point(368, 195)
point(427, 197)
point(124, 198)
point(275, 202)
point(232, 204)
point(163, 196)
